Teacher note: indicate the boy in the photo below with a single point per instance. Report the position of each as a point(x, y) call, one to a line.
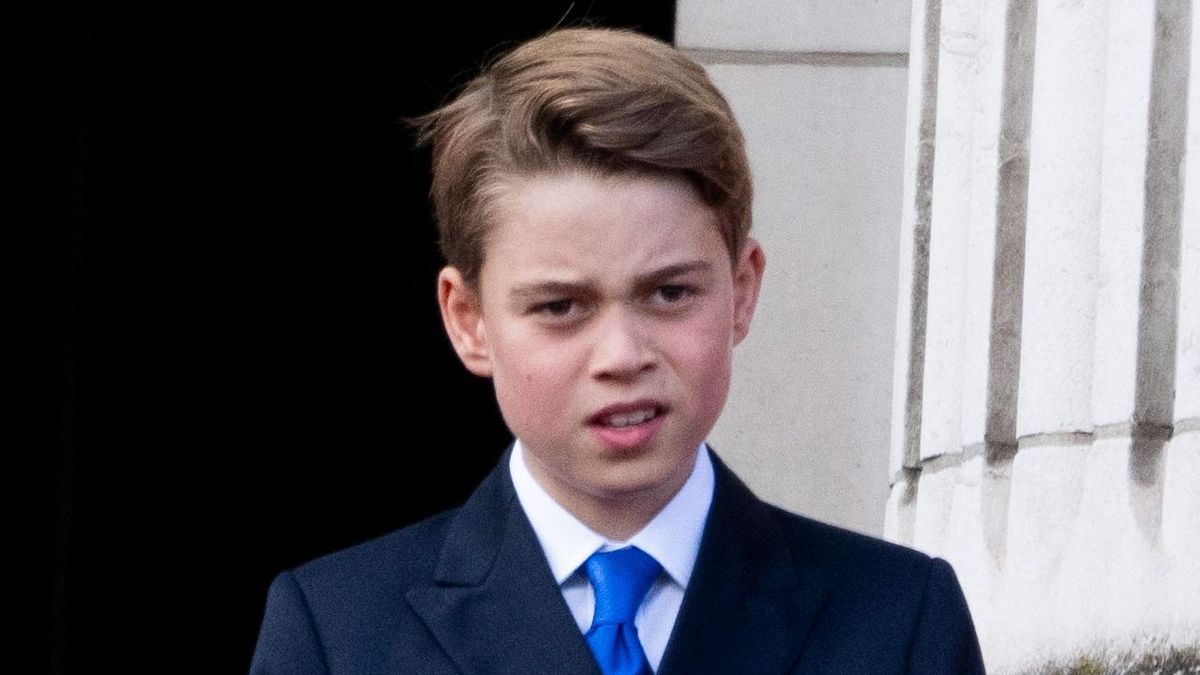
point(593, 200)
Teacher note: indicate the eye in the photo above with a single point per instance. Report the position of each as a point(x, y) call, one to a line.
point(556, 308)
point(673, 293)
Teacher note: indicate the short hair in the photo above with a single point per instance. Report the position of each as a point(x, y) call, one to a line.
point(592, 99)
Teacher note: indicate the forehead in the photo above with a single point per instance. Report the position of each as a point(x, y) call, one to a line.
point(604, 230)
point(580, 218)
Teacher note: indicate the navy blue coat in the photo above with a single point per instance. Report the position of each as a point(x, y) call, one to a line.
point(469, 591)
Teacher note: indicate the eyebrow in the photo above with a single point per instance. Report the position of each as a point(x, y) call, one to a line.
point(545, 288)
point(671, 271)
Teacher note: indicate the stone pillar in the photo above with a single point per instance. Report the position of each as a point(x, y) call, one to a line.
point(912, 302)
point(1181, 470)
point(1052, 454)
point(1058, 315)
point(1112, 575)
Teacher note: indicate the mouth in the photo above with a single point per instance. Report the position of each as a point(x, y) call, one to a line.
point(628, 414)
point(628, 425)
point(622, 420)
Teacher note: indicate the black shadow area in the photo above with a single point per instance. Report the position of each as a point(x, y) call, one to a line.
point(231, 359)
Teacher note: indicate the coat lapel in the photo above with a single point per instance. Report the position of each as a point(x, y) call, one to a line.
point(494, 606)
point(749, 606)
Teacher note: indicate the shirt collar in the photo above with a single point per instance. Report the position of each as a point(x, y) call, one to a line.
point(672, 537)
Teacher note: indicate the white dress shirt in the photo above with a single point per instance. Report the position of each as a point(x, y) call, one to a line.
point(672, 537)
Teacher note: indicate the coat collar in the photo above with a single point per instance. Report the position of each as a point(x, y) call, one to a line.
point(749, 607)
point(494, 606)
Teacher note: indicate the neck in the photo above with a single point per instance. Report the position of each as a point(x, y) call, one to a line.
point(617, 519)
point(616, 516)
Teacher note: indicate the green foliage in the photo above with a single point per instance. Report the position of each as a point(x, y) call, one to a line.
point(1165, 661)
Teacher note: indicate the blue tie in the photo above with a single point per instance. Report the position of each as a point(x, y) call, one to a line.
point(620, 579)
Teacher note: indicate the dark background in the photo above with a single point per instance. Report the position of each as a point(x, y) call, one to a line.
point(228, 357)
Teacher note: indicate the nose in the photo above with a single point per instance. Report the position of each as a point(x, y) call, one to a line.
point(622, 349)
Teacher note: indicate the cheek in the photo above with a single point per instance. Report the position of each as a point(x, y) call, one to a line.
point(705, 359)
point(714, 386)
point(530, 378)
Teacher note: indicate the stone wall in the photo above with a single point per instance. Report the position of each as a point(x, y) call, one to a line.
point(819, 88)
point(1046, 401)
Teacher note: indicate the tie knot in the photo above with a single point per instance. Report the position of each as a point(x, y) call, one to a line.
point(620, 579)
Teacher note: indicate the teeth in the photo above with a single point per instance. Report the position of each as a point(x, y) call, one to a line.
point(629, 419)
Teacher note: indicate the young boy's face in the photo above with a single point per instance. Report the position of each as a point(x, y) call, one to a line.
point(606, 313)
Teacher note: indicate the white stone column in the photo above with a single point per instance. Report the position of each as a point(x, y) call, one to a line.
point(950, 238)
point(1045, 393)
point(1181, 471)
point(911, 306)
point(1058, 314)
point(1112, 575)
point(1102, 564)
point(1122, 213)
point(1065, 488)
point(1063, 225)
point(950, 229)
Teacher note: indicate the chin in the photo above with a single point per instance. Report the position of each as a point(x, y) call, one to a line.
point(634, 480)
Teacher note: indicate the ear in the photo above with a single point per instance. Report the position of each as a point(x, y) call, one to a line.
point(747, 280)
point(462, 315)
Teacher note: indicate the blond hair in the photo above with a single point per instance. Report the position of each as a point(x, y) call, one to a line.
point(609, 101)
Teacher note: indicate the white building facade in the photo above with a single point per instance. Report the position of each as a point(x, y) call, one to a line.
point(980, 331)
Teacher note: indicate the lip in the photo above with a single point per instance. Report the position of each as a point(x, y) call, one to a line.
point(632, 436)
point(630, 407)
